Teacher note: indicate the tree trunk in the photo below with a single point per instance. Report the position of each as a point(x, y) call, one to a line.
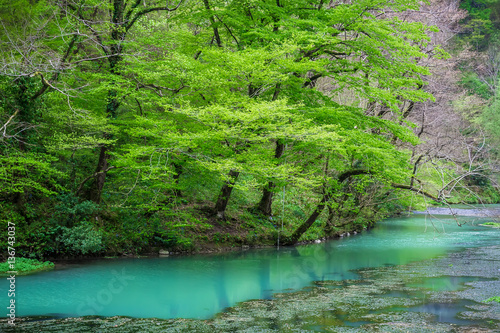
point(309, 222)
point(329, 221)
point(100, 178)
point(113, 51)
point(225, 194)
point(212, 22)
point(178, 172)
point(322, 204)
point(112, 105)
point(265, 205)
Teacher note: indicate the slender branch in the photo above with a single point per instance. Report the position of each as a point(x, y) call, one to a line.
point(140, 107)
point(158, 89)
point(127, 195)
point(95, 58)
point(85, 22)
point(134, 6)
point(311, 82)
point(415, 167)
point(4, 127)
point(46, 85)
point(149, 10)
point(92, 176)
point(229, 30)
point(354, 172)
point(212, 21)
point(420, 191)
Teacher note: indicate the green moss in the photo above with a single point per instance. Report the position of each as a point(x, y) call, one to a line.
point(493, 299)
point(492, 224)
point(24, 266)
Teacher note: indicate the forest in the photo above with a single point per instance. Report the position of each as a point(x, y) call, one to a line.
point(129, 127)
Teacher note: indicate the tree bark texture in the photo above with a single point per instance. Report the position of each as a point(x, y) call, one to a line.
point(225, 194)
point(100, 178)
point(266, 202)
point(309, 222)
point(321, 206)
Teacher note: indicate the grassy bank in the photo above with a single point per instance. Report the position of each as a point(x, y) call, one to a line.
point(24, 266)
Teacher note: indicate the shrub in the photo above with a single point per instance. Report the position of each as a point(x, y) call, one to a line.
point(81, 239)
point(70, 211)
point(25, 266)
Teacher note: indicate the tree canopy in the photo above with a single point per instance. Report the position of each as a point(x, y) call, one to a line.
point(143, 108)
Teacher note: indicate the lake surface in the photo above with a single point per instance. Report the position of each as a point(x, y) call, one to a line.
point(201, 286)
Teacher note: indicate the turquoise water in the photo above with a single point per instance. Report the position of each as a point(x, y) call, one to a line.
point(201, 286)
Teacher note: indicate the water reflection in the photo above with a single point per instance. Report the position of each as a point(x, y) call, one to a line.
point(200, 286)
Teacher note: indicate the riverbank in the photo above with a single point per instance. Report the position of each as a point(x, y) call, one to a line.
point(248, 232)
point(251, 232)
point(220, 236)
point(24, 266)
point(446, 294)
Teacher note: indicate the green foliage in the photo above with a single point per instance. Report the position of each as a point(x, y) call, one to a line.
point(493, 299)
point(70, 210)
point(474, 85)
point(25, 266)
point(490, 119)
point(493, 224)
point(481, 22)
point(220, 238)
point(40, 240)
point(168, 107)
point(81, 239)
point(28, 172)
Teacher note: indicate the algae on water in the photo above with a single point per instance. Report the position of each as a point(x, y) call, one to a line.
point(385, 299)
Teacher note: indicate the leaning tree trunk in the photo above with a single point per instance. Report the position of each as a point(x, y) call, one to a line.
point(225, 194)
point(321, 206)
point(294, 238)
point(265, 204)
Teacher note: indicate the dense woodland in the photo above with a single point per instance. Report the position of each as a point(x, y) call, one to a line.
point(129, 126)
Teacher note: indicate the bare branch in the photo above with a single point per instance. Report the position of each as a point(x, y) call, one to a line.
point(149, 10)
point(93, 176)
point(417, 190)
point(4, 127)
point(48, 84)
